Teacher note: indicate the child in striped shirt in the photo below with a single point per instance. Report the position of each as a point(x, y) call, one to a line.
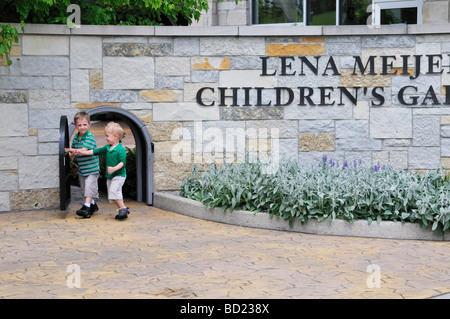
point(89, 167)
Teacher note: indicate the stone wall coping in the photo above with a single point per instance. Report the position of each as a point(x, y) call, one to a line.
point(214, 31)
point(196, 31)
point(280, 30)
point(127, 30)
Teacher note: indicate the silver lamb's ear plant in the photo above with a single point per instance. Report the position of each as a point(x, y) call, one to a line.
point(326, 191)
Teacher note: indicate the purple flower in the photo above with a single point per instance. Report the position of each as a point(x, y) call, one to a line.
point(345, 165)
point(332, 163)
point(324, 161)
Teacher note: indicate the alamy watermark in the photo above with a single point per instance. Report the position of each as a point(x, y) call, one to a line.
point(373, 21)
point(227, 145)
point(73, 20)
point(374, 279)
point(74, 279)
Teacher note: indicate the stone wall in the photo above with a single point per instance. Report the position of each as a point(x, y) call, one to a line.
point(161, 74)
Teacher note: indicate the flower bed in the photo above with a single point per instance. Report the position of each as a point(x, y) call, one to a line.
point(326, 191)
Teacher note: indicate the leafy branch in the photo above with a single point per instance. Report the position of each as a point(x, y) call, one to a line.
point(8, 36)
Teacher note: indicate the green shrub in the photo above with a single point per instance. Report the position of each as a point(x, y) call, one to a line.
point(326, 191)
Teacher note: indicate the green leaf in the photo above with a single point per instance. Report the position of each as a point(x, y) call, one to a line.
point(379, 219)
point(233, 203)
point(435, 225)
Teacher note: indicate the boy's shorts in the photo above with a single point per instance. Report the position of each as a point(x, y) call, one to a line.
point(89, 185)
point(115, 187)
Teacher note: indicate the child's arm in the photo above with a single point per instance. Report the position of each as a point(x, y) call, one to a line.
point(70, 151)
point(74, 150)
point(112, 169)
point(83, 151)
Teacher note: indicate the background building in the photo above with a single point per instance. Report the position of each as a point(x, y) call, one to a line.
point(325, 12)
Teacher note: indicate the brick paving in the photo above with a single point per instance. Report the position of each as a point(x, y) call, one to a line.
point(159, 254)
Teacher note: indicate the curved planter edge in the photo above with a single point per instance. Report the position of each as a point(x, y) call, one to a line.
point(171, 201)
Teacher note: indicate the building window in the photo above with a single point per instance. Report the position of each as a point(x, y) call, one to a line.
point(321, 12)
point(278, 11)
point(336, 12)
point(397, 12)
point(354, 12)
point(398, 16)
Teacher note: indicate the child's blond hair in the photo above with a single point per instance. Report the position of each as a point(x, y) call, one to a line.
point(115, 128)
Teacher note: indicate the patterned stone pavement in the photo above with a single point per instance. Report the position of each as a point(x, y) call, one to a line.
point(159, 254)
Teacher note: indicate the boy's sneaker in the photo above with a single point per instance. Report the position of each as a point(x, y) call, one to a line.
point(84, 211)
point(123, 213)
point(93, 208)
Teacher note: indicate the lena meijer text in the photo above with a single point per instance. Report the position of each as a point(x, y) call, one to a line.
point(227, 308)
point(412, 66)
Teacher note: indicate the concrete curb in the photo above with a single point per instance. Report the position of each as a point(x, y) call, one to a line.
point(171, 201)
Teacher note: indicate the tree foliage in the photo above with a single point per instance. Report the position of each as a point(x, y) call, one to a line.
point(95, 12)
point(8, 35)
point(111, 12)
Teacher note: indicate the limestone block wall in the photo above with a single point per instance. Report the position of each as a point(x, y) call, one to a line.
point(211, 93)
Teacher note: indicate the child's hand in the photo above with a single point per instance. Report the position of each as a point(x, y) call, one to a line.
point(79, 152)
point(111, 169)
point(82, 151)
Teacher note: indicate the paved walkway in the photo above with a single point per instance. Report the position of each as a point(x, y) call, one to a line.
point(159, 254)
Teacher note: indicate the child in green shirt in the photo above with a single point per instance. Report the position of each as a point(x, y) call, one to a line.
point(116, 158)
